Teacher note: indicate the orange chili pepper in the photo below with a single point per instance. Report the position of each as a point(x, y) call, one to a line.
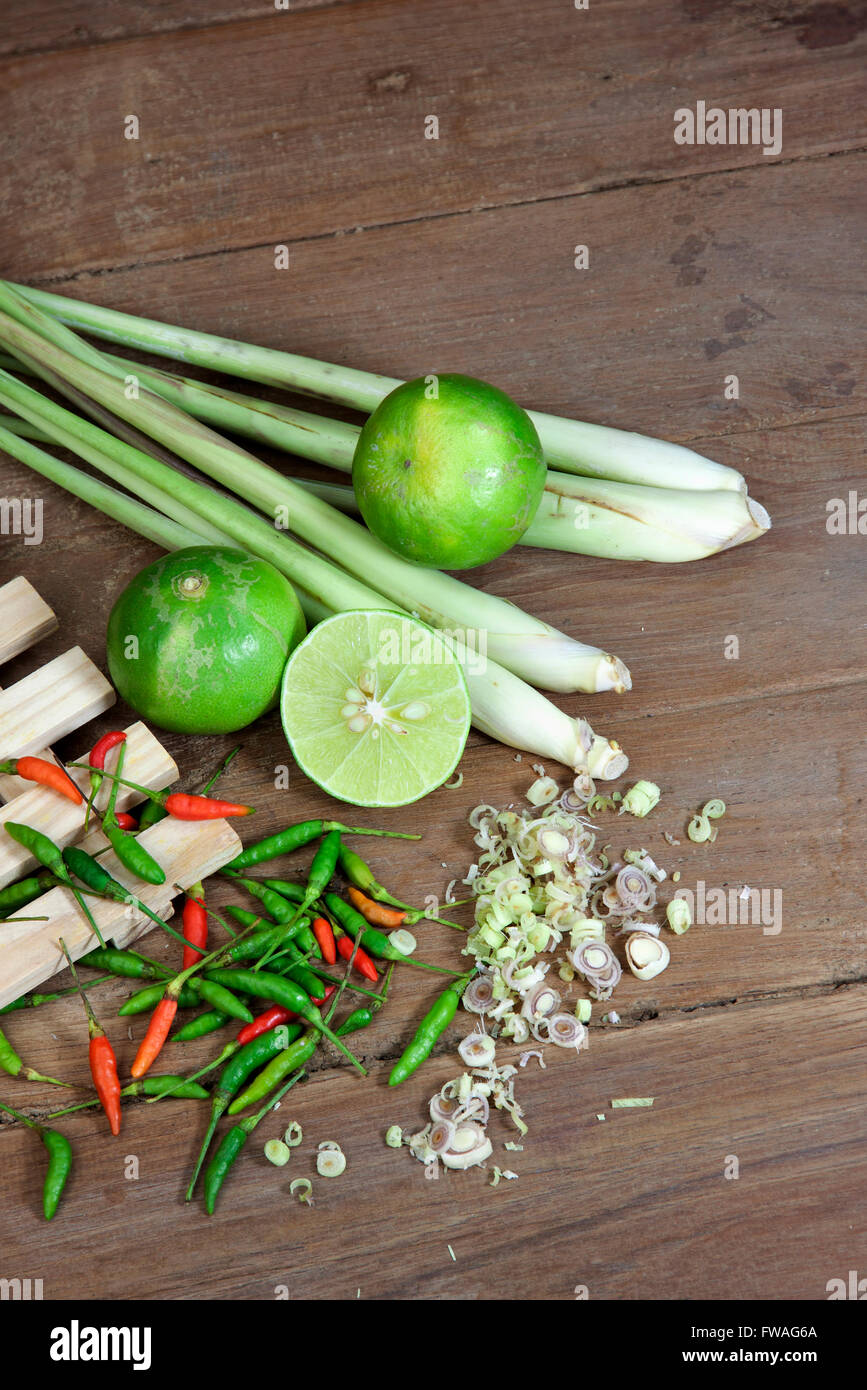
point(103, 1069)
point(324, 934)
point(378, 914)
point(158, 1030)
point(46, 774)
point(363, 963)
point(187, 806)
point(103, 1063)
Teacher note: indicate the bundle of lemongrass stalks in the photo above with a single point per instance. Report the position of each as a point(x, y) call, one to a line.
point(621, 496)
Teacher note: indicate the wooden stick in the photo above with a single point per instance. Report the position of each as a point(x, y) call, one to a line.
point(25, 618)
point(147, 762)
point(188, 851)
point(52, 702)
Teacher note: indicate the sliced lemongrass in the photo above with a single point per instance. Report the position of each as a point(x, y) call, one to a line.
point(330, 1162)
point(394, 1136)
point(277, 1153)
point(646, 955)
point(302, 1190)
point(679, 916)
point(293, 1136)
point(632, 1102)
point(640, 799)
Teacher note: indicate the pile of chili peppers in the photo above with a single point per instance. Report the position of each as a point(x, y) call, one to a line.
point(297, 931)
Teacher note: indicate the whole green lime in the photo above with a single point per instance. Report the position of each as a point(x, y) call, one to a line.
point(448, 471)
point(198, 641)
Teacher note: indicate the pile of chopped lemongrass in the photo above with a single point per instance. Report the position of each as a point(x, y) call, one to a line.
point(543, 880)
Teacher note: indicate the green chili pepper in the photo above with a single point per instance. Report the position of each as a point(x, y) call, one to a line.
point(201, 1026)
point(321, 874)
point(59, 1161)
point(133, 855)
point(17, 895)
point(152, 813)
point(359, 1018)
point(48, 854)
point(35, 1001)
point(10, 1062)
point(232, 1143)
point(282, 991)
point(432, 1026)
point(94, 876)
point(241, 1063)
point(374, 941)
point(290, 1059)
point(146, 999)
point(129, 965)
point(182, 1088)
point(296, 836)
point(220, 998)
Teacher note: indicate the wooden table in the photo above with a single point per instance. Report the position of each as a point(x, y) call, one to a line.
point(260, 128)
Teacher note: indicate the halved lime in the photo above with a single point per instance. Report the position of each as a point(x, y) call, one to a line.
point(375, 708)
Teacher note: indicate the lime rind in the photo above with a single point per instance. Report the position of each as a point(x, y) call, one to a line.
point(358, 745)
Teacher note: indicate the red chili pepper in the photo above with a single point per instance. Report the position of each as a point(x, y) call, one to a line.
point(187, 806)
point(271, 1018)
point(363, 963)
point(324, 934)
point(103, 1069)
point(125, 821)
point(98, 754)
point(103, 1063)
point(45, 774)
point(195, 926)
point(103, 747)
point(152, 1042)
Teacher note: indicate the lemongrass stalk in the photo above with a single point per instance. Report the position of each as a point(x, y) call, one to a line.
point(591, 450)
point(591, 516)
point(624, 521)
point(60, 426)
point(186, 498)
point(138, 517)
point(525, 645)
point(512, 712)
point(503, 706)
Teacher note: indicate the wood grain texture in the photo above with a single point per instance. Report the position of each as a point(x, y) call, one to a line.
point(40, 27)
point(635, 1206)
point(685, 287)
point(752, 1043)
point(566, 101)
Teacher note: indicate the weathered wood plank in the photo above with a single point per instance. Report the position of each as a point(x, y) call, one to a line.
point(41, 27)
point(635, 1206)
point(684, 289)
point(557, 101)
